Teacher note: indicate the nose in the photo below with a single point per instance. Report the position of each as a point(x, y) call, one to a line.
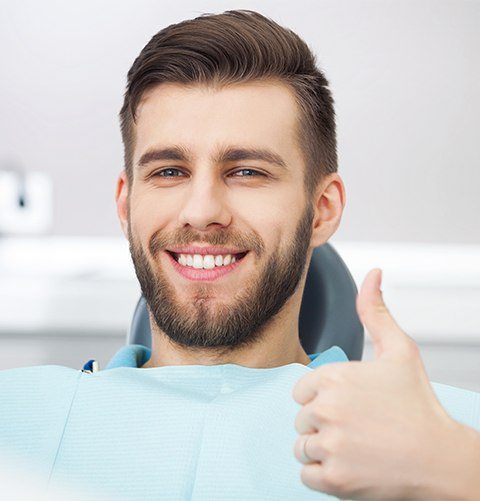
point(204, 204)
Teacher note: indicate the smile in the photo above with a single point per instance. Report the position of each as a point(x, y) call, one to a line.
point(205, 267)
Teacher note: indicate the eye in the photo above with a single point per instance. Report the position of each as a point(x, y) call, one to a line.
point(171, 172)
point(256, 173)
point(166, 172)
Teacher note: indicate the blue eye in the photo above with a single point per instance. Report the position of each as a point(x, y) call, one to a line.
point(161, 172)
point(256, 173)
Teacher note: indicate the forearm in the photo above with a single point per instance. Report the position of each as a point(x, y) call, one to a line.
point(468, 484)
point(455, 472)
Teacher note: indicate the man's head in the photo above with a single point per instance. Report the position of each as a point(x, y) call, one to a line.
point(238, 47)
point(207, 101)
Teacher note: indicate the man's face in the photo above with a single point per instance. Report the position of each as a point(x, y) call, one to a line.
point(207, 188)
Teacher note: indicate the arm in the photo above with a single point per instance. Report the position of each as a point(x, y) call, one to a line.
point(454, 471)
point(377, 431)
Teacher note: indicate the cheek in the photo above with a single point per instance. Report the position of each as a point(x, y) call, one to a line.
point(281, 204)
point(148, 214)
point(260, 207)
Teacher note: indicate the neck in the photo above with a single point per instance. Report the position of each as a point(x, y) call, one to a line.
point(278, 345)
point(250, 357)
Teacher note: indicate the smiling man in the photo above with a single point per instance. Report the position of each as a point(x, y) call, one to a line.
point(221, 221)
point(230, 182)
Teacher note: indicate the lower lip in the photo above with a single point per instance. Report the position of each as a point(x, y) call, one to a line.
point(201, 274)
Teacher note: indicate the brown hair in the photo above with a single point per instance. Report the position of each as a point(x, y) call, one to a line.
point(234, 47)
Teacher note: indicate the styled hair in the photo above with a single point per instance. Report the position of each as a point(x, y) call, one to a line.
point(238, 46)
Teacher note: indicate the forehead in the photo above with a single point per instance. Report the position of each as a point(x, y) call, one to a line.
point(204, 118)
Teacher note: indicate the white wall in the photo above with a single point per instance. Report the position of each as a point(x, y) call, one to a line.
point(405, 75)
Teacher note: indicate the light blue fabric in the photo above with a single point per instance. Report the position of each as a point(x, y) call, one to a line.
point(136, 355)
point(191, 432)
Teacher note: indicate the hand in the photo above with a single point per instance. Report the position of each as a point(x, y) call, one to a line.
point(375, 429)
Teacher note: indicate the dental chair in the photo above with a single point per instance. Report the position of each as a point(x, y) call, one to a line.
point(328, 314)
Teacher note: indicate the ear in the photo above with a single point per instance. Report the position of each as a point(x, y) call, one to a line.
point(329, 203)
point(121, 199)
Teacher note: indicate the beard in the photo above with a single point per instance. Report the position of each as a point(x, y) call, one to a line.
point(224, 327)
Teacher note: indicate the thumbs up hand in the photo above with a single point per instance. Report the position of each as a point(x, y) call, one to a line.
point(375, 430)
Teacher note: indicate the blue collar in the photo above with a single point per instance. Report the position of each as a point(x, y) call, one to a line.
point(136, 355)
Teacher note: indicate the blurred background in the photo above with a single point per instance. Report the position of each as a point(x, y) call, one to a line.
point(405, 77)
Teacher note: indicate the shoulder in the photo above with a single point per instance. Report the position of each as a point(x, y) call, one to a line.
point(37, 386)
point(36, 375)
point(34, 407)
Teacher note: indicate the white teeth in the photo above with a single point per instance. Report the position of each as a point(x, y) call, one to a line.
point(207, 262)
point(197, 261)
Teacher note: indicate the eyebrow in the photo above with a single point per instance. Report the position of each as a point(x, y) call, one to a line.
point(224, 155)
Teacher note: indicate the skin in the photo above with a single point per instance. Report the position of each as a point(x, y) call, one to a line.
point(206, 200)
point(366, 443)
point(363, 441)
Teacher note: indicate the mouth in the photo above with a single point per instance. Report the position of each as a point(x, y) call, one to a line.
point(205, 267)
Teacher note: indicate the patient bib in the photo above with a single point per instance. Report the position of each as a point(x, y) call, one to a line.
point(191, 432)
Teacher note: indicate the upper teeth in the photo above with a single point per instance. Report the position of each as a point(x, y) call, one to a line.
point(206, 262)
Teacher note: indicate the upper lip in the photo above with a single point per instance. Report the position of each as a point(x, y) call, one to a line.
point(214, 251)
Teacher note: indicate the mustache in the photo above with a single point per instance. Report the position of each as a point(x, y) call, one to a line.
point(187, 236)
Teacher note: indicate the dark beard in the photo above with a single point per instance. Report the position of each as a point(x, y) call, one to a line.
point(229, 327)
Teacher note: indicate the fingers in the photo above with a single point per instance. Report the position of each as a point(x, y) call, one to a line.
point(309, 385)
point(304, 422)
point(308, 448)
point(300, 449)
point(312, 416)
point(316, 436)
point(306, 388)
point(389, 340)
point(313, 476)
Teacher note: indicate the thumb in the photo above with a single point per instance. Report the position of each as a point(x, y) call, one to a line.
point(388, 338)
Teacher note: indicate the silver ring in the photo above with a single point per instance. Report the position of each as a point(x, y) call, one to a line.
point(305, 456)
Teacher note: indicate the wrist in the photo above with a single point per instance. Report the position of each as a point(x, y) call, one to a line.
point(469, 489)
point(454, 470)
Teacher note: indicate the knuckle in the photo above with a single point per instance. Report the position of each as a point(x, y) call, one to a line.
point(329, 480)
point(337, 481)
point(333, 479)
point(332, 373)
point(298, 390)
point(410, 350)
point(301, 423)
point(311, 478)
point(318, 412)
point(302, 393)
point(326, 412)
point(334, 442)
point(381, 307)
point(296, 395)
point(370, 310)
point(412, 347)
point(297, 448)
point(315, 449)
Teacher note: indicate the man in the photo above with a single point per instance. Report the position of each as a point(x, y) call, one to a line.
point(230, 182)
